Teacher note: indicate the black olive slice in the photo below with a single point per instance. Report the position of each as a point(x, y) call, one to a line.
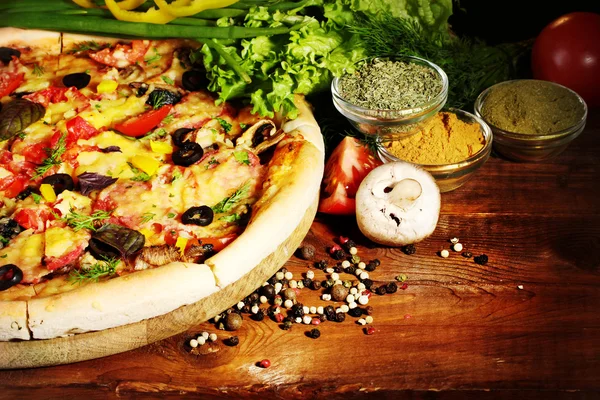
point(60, 182)
point(12, 269)
point(179, 136)
point(194, 80)
point(140, 88)
point(6, 54)
point(187, 154)
point(78, 79)
point(201, 216)
point(161, 97)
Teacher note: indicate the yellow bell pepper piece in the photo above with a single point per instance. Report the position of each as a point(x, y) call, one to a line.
point(85, 3)
point(146, 232)
point(130, 4)
point(195, 6)
point(147, 164)
point(47, 192)
point(181, 243)
point(107, 86)
point(161, 147)
point(152, 16)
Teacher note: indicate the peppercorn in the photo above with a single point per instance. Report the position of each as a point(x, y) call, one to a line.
point(264, 363)
point(306, 252)
point(268, 291)
point(287, 325)
point(367, 282)
point(338, 254)
point(381, 290)
point(347, 284)
point(297, 310)
point(371, 266)
point(289, 294)
point(368, 310)
point(348, 244)
point(409, 249)
point(355, 312)
point(272, 280)
point(340, 317)
point(351, 270)
point(391, 287)
point(369, 331)
point(254, 297)
point(315, 285)
point(314, 333)
point(467, 254)
point(232, 341)
point(277, 300)
point(329, 312)
point(481, 259)
point(246, 309)
point(339, 292)
point(284, 282)
point(306, 282)
point(337, 269)
point(259, 316)
point(376, 262)
point(322, 318)
point(321, 264)
point(328, 283)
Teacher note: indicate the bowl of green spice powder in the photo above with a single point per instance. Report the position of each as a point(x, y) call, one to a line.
point(532, 120)
point(391, 96)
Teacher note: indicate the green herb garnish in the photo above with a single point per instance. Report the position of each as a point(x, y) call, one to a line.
point(153, 58)
point(228, 202)
point(241, 157)
point(230, 218)
point(53, 158)
point(212, 161)
point(87, 45)
point(38, 70)
point(224, 124)
point(79, 221)
point(139, 176)
point(147, 217)
point(243, 125)
point(176, 175)
point(36, 198)
point(168, 119)
point(106, 267)
point(171, 215)
point(167, 80)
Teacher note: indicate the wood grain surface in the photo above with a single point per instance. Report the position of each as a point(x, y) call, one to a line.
point(459, 330)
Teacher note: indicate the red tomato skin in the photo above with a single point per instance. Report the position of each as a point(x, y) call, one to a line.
point(13, 185)
point(9, 82)
point(567, 51)
point(79, 128)
point(144, 123)
point(345, 169)
point(36, 153)
point(30, 218)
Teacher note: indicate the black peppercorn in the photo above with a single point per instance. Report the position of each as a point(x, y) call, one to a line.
point(284, 282)
point(481, 260)
point(355, 312)
point(272, 280)
point(259, 316)
point(349, 244)
point(338, 254)
point(409, 249)
point(370, 267)
point(391, 287)
point(381, 290)
point(246, 309)
point(253, 298)
point(328, 283)
point(268, 291)
point(322, 318)
point(314, 333)
point(232, 341)
point(306, 252)
point(283, 270)
point(337, 269)
point(467, 254)
point(297, 310)
point(315, 285)
point(340, 317)
point(321, 264)
point(329, 312)
point(287, 325)
point(306, 282)
point(376, 262)
point(351, 270)
point(367, 282)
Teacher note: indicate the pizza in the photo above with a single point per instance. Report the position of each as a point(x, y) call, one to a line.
point(126, 189)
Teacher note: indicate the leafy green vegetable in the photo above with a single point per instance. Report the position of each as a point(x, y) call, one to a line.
point(106, 267)
point(18, 115)
point(229, 202)
point(53, 158)
point(111, 238)
point(241, 157)
point(230, 218)
point(224, 124)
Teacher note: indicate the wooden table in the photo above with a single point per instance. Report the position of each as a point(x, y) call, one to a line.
point(524, 326)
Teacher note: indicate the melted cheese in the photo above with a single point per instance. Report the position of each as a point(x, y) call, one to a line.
point(61, 241)
point(26, 251)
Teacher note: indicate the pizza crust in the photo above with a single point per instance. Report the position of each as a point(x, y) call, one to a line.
point(146, 294)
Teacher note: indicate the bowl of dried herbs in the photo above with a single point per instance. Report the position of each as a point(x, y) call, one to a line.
point(391, 96)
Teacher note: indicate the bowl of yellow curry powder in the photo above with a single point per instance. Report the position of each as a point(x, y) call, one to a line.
point(532, 120)
point(451, 146)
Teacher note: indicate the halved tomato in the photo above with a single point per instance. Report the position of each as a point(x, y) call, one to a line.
point(144, 123)
point(347, 166)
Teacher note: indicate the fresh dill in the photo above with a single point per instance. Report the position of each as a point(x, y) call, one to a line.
point(53, 158)
point(168, 119)
point(79, 221)
point(167, 80)
point(147, 217)
point(229, 202)
point(87, 45)
point(139, 176)
point(212, 162)
point(224, 124)
point(38, 70)
point(153, 58)
point(106, 267)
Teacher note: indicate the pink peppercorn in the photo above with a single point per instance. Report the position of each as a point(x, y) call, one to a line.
point(367, 293)
point(334, 248)
point(404, 286)
point(315, 321)
point(343, 239)
point(265, 363)
point(279, 317)
point(370, 330)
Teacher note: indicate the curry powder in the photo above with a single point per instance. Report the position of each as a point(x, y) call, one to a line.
point(444, 139)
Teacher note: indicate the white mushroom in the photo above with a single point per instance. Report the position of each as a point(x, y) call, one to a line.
point(397, 203)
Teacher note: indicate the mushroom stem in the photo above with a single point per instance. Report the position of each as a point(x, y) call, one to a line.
point(405, 193)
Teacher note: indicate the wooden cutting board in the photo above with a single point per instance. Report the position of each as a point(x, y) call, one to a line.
point(87, 346)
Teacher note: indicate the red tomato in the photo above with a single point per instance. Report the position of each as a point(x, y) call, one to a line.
point(349, 163)
point(144, 123)
point(33, 218)
point(13, 185)
point(122, 55)
point(171, 236)
point(79, 128)
point(58, 95)
point(567, 51)
point(9, 81)
point(36, 153)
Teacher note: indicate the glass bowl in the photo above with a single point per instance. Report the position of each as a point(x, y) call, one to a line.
point(531, 148)
point(391, 123)
point(452, 176)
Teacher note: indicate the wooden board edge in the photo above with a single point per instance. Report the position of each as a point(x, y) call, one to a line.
point(92, 345)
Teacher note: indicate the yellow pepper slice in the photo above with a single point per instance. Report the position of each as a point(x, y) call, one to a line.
point(181, 243)
point(146, 232)
point(161, 147)
point(85, 3)
point(107, 86)
point(152, 16)
point(194, 7)
point(130, 4)
point(47, 192)
point(147, 164)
